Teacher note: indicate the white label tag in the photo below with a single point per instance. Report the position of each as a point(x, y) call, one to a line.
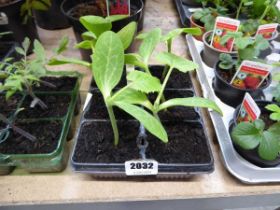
point(249, 110)
point(3, 19)
point(250, 75)
point(88, 98)
point(192, 10)
point(267, 30)
point(141, 167)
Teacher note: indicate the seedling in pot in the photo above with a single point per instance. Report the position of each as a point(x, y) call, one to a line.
point(22, 75)
point(150, 41)
point(29, 5)
point(107, 66)
point(96, 26)
point(260, 135)
point(207, 16)
point(248, 48)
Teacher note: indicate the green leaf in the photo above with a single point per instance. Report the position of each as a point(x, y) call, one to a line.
point(108, 62)
point(261, 43)
point(146, 119)
point(87, 44)
point(130, 96)
point(127, 33)
point(176, 32)
point(248, 54)
point(20, 51)
point(191, 102)
point(269, 146)
point(96, 24)
point(273, 108)
point(39, 5)
point(246, 135)
point(39, 50)
point(134, 59)
point(62, 45)
point(149, 44)
point(88, 35)
point(177, 62)
point(62, 61)
point(242, 43)
point(114, 18)
point(143, 82)
point(26, 44)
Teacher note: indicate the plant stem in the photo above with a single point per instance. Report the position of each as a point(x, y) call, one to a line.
point(267, 9)
point(157, 102)
point(113, 123)
point(147, 70)
point(239, 9)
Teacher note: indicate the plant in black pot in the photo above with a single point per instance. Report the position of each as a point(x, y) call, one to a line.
point(248, 49)
point(17, 17)
point(94, 152)
point(74, 10)
point(259, 141)
point(46, 102)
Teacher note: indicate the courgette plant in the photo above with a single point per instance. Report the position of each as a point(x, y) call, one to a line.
point(255, 136)
point(108, 60)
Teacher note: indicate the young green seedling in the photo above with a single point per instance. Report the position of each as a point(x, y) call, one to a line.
point(96, 26)
point(107, 67)
point(29, 5)
point(24, 74)
point(248, 48)
point(254, 135)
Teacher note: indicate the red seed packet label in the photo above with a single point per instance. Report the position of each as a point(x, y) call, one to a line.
point(224, 25)
point(267, 30)
point(250, 75)
point(249, 110)
point(118, 7)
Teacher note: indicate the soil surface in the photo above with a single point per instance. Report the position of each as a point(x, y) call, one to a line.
point(57, 107)
point(177, 79)
point(95, 143)
point(8, 107)
point(97, 109)
point(60, 83)
point(187, 144)
point(89, 8)
point(47, 134)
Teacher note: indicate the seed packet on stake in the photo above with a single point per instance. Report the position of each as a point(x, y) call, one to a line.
point(224, 25)
point(250, 75)
point(249, 110)
point(267, 30)
point(118, 7)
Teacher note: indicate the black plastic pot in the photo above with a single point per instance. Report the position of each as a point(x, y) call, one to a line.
point(95, 154)
point(141, 21)
point(232, 95)
point(210, 55)
point(252, 155)
point(68, 5)
point(56, 128)
point(15, 23)
point(53, 18)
